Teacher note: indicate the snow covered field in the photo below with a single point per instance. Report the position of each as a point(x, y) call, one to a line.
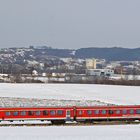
point(104, 93)
point(31, 102)
point(126, 132)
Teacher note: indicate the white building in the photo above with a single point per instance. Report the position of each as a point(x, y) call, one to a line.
point(34, 73)
point(100, 72)
point(91, 63)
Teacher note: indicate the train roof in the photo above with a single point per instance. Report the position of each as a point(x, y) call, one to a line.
point(77, 107)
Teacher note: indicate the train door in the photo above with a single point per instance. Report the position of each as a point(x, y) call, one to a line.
point(68, 115)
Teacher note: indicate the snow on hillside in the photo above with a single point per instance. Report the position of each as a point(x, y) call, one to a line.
point(120, 132)
point(105, 93)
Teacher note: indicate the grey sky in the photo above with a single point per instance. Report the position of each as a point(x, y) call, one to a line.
point(70, 23)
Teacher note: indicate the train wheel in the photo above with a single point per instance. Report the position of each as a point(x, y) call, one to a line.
point(89, 121)
point(58, 121)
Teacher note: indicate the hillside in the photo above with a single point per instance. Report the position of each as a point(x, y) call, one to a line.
point(114, 53)
point(109, 53)
point(42, 53)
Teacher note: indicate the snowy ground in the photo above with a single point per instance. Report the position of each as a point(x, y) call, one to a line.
point(126, 132)
point(103, 93)
point(31, 102)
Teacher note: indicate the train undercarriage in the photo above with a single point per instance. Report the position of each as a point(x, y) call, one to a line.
point(74, 121)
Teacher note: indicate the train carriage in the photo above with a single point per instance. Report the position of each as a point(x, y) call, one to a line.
point(108, 113)
point(53, 114)
point(63, 114)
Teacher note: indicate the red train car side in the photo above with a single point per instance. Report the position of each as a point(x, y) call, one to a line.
point(108, 112)
point(53, 114)
point(62, 114)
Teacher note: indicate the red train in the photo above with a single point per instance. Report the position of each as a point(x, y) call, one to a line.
point(63, 114)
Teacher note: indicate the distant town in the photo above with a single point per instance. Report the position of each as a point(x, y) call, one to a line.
point(44, 64)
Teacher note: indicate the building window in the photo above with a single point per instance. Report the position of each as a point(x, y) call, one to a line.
point(118, 111)
point(96, 111)
point(131, 111)
point(8, 113)
point(23, 113)
point(52, 112)
point(60, 112)
point(45, 112)
point(89, 112)
point(103, 111)
point(37, 113)
point(15, 113)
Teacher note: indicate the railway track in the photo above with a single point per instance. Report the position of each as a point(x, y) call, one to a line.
point(69, 124)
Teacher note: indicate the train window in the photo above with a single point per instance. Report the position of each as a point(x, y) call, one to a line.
point(68, 112)
point(124, 111)
point(110, 112)
point(96, 111)
point(103, 111)
point(131, 111)
point(80, 112)
point(137, 111)
point(118, 111)
point(23, 113)
point(89, 112)
point(52, 112)
point(30, 113)
point(7, 113)
point(59, 112)
point(45, 112)
point(15, 113)
point(37, 113)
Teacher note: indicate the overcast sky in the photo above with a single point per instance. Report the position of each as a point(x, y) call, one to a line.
point(70, 23)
